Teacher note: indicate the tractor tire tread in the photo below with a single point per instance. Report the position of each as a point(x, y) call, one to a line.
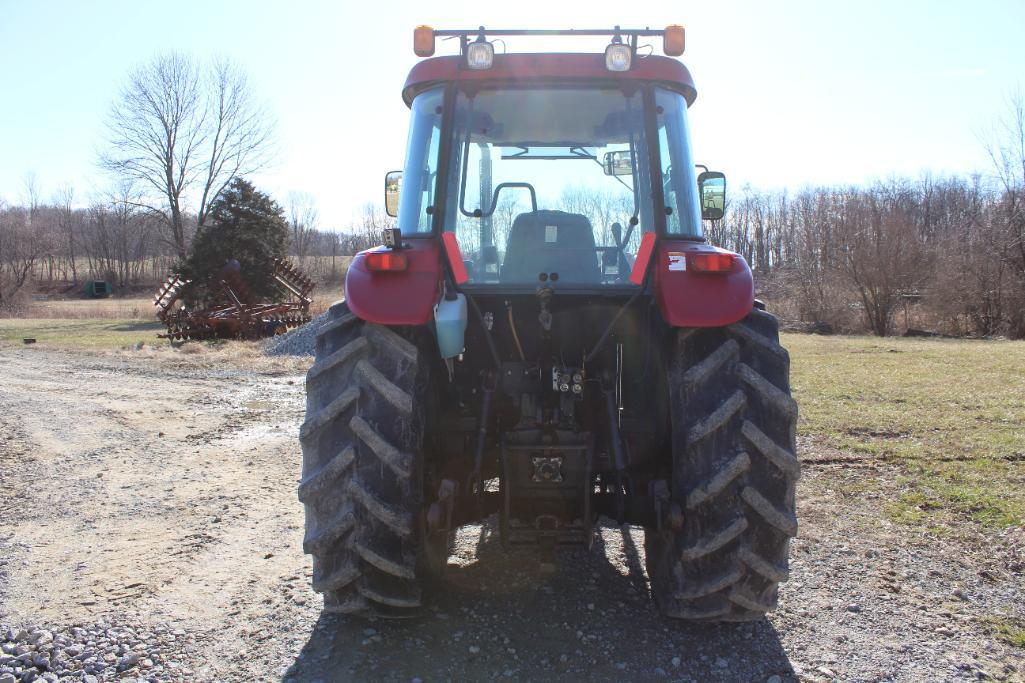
point(360, 466)
point(734, 474)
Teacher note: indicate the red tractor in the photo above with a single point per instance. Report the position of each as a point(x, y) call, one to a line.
point(547, 337)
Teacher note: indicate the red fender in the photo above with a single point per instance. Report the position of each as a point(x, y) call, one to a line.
point(688, 298)
point(405, 297)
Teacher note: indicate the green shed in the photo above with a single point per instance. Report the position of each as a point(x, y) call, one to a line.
point(98, 289)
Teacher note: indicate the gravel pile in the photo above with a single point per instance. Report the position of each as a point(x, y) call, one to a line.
point(300, 341)
point(96, 652)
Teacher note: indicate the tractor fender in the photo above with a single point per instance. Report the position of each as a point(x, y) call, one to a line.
point(404, 297)
point(688, 298)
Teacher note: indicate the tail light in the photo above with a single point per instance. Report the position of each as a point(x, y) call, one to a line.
point(711, 262)
point(386, 261)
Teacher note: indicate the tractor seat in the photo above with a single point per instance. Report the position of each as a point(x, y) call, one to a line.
point(550, 242)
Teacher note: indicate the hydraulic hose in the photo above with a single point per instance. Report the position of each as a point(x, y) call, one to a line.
point(516, 337)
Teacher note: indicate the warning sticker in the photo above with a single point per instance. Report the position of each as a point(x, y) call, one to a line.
point(677, 260)
point(551, 233)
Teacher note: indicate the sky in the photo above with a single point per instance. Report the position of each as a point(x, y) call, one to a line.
point(790, 93)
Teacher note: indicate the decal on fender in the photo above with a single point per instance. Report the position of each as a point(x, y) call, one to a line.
point(677, 261)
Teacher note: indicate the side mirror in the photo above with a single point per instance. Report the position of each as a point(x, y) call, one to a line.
point(712, 188)
point(618, 163)
point(392, 185)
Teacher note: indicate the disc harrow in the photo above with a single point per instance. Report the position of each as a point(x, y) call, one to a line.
point(232, 311)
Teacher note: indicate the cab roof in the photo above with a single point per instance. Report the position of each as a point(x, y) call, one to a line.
point(540, 68)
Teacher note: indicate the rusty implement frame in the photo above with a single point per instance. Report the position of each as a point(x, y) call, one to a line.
point(233, 312)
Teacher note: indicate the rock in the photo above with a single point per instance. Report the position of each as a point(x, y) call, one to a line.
point(474, 649)
point(774, 678)
point(128, 661)
point(721, 663)
point(621, 666)
point(299, 341)
point(8, 678)
point(676, 661)
point(854, 607)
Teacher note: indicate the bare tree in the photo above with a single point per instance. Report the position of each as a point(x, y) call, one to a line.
point(181, 132)
point(302, 217)
point(19, 251)
point(66, 220)
point(32, 193)
point(1006, 148)
point(239, 133)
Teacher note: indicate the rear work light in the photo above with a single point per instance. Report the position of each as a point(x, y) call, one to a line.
point(386, 261)
point(711, 262)
point(618, 57)
point(480, 54)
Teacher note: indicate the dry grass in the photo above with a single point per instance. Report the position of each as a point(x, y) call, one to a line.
point(91, 309)
point(140, 308)
point(323, 299)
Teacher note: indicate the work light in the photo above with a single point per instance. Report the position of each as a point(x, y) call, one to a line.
point(480, 54)
point(618, 56)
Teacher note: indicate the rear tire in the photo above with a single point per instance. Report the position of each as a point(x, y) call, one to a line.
point(362, 477)
point(724, 545)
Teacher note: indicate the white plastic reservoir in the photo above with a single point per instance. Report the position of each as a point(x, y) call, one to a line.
point(450, 325)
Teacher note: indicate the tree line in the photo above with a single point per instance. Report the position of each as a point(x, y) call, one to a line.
point(943, 254)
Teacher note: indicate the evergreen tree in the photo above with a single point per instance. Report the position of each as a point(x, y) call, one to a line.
point(244, 225)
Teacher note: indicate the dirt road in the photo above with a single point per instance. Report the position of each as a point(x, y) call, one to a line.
point(150, 529)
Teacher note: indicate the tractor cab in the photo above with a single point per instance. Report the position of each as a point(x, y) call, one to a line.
point(553, 165)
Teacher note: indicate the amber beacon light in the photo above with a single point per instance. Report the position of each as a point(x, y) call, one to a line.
point(423, 41)
point(673, 40)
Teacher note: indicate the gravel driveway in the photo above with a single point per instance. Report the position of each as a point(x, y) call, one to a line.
point(149, 529)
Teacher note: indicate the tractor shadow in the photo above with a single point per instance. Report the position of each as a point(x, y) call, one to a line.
point(502, 614)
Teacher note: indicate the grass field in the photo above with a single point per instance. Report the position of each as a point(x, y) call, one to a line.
point(81, 333)
point(948, 414)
